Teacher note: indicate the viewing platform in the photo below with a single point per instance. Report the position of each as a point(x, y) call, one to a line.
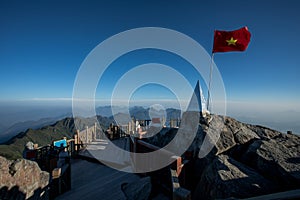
point(97, 151)
point(95, 181)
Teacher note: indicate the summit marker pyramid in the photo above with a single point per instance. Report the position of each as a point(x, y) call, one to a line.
point(197, 102)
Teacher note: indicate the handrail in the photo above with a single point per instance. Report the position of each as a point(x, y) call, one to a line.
point(140, 146)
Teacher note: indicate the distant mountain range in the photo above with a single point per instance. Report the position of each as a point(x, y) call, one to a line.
point(13, 148)
point(23, 126)
point(45, 130)
point(138, 112)
point(32, 129)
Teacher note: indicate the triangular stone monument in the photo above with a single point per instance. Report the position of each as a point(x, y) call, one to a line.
point(197, 102)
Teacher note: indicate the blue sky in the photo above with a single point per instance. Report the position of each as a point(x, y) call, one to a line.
point(43, 43)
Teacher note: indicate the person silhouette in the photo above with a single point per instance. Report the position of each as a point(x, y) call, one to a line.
point(62, 156)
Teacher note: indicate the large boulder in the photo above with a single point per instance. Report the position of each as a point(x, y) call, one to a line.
point(226, 140)
point(226, 177)
point(224, 133)
point(278, 159)
point(21, 179)
point(242, 132)
point(264, 132)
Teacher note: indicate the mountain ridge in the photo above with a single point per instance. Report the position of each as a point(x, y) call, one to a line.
point(13, 148)
point(19, 127)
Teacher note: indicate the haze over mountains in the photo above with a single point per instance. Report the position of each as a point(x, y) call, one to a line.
point(26, 118)
point(280, 118)
point(138, 112)
point(15, 119)
point(46, 130)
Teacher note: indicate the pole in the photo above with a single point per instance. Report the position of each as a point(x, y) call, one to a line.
point(210, 79)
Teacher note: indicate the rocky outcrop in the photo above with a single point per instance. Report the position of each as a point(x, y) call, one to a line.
point(278, 159)
point(22, 179)
point(226, 177)
point(246, 161)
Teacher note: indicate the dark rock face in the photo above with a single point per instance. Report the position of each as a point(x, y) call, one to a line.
point(246, 161)
point(21, 179)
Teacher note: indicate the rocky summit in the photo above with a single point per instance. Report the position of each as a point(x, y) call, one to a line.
point(246, 161)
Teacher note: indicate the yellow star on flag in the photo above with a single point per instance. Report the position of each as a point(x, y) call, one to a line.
point(231, 41)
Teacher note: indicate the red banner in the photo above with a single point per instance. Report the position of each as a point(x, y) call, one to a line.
point(236, 40)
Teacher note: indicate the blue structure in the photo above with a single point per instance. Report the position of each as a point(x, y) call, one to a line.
point(60, 143)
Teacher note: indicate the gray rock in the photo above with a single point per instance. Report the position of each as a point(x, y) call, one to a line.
point(263, 132)
point(244, 135)
point(277, 159)
point(21, 179)
point(230, 131)
point(257, 160)
point(246, 160)
point(226, 139)
point(226, 177)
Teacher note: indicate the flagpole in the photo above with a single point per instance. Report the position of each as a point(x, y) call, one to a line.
point(210, 79)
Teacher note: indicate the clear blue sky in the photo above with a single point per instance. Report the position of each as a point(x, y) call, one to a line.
point(43, 43)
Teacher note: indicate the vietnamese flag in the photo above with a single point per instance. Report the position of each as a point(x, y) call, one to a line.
point(236, 40)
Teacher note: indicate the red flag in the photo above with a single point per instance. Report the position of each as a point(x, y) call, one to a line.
point(236, 40)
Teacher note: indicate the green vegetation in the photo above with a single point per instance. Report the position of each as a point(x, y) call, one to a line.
point(13, 148)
